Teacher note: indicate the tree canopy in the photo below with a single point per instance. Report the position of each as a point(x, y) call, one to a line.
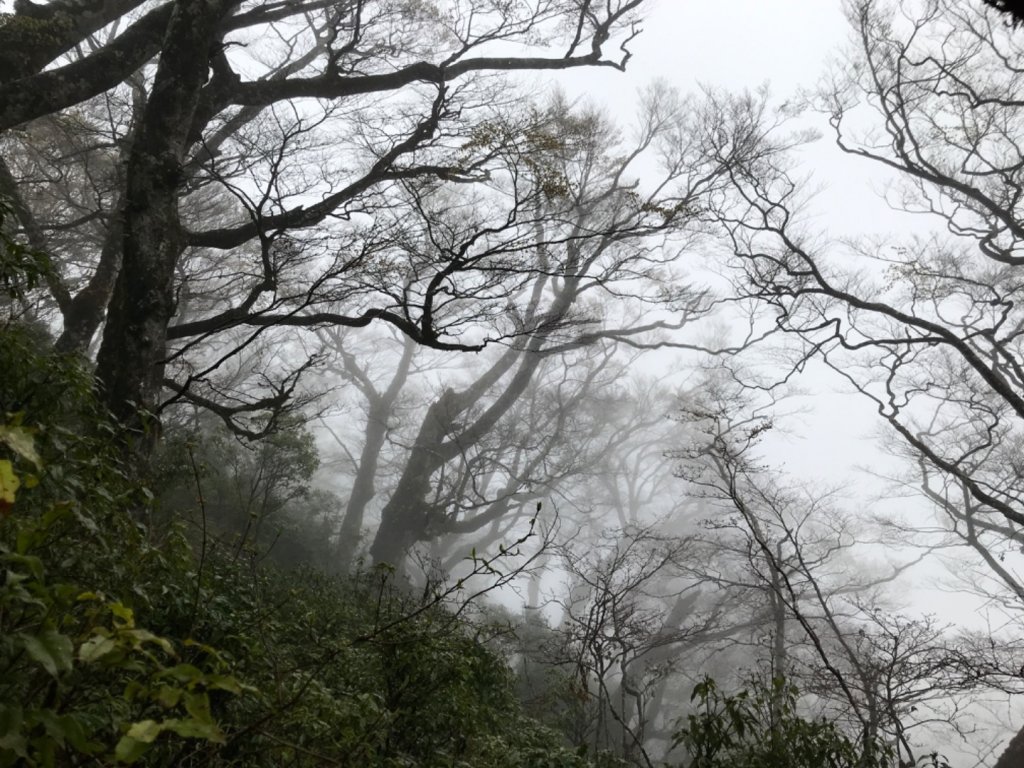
point(196, 136)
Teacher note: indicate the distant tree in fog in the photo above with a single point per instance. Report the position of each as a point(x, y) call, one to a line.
point(598, 262)
point(928, 328)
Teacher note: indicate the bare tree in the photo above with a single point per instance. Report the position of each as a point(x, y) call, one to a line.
point(631, 607)
point(832, 628)
point(927, 328)
point(261, 137)
point(633, 479)
point(381, 404)
point(598, 264)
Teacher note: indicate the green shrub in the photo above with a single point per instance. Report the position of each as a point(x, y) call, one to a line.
point(119, 648)
point(81, 679)
point(761, 728)
point(21, 268)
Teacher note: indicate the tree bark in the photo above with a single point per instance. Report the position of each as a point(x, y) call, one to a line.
point(37, 34)
point(85, 310)
point(130, 362)
point(52, 90)
point(1013, 755)
point(364, 485)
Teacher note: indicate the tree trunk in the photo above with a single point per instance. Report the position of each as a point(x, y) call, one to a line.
point(84, 312)
point(404, 518)
point(1013, 755)
point(364, 484)
point(130, 363)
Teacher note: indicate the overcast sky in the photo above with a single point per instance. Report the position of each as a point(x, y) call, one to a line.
point(788, 43)
point(740, 45)
point(735, 44)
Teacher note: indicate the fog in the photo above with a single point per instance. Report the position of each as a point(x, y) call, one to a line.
point(662, 343)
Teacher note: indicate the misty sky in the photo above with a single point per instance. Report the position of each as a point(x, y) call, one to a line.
point(786, 44)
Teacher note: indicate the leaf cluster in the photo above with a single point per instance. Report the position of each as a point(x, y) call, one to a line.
point(761, 727)
point(119, 647)
point(82, 679)
point(21, 268)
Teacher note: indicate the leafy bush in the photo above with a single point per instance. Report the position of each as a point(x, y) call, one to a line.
point(21, 268)
point(257, 495)
point(118, 648)
point(360, 671)
point(761, 728)
point(82, 679)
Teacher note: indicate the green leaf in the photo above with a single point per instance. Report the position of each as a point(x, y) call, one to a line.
point(11, 737)
point(32, 563)
point(134, 689)
point(192, 729)
point(145, 731)
point(128, 750)
point(224, 683)
point(9, 485)
point(51, 649)
point(68, 728)
point(141, 636)
point(20, 440)
point(168, 696)
point(198, 705)
point(95, 648)
point(124, 613)
point(136, 741)
point(184, 673)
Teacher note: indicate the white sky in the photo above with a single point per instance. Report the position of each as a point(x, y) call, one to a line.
point(736, 44)
point(742, 45)
point(787, 43)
